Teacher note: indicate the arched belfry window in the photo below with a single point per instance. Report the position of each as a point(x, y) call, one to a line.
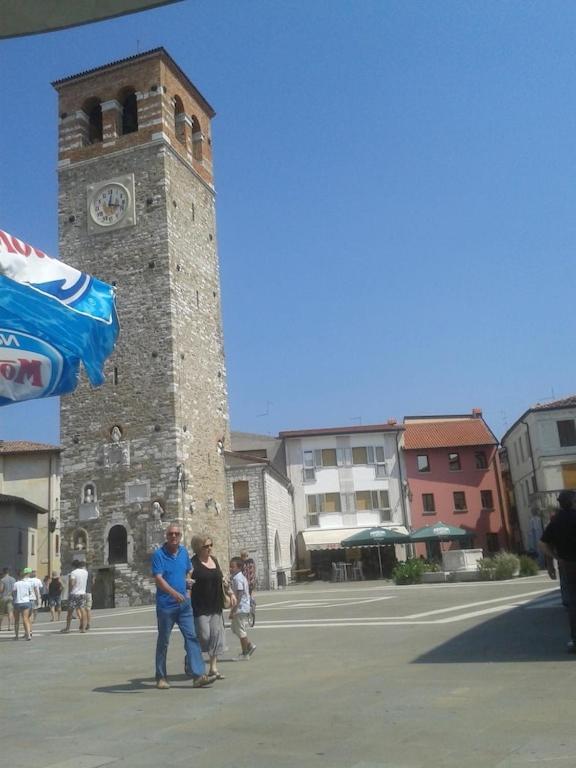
point(93, 110)
point(197, 138)
point(129, 112)
point(179, 120)
point(117, 545)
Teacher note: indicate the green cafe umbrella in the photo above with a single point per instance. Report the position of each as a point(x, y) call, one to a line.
point(439, 532)
point(375, 537)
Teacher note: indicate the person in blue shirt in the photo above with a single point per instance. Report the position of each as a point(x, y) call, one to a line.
point(171, 568)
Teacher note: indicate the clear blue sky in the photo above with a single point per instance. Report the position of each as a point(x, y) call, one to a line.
point(396, 197)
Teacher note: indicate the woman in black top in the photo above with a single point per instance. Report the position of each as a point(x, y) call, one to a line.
point(55, 597)
point(207, 601)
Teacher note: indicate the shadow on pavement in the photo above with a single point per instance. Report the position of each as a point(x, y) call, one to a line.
point(533, 632)
point(140, 684)
point(137, 685)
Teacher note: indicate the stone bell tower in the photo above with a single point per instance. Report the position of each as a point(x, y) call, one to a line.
point(136, 209)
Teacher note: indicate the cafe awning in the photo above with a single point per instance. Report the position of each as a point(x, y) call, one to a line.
point(331, 538)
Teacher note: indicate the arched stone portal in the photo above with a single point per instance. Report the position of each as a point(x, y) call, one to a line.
point(117, 545)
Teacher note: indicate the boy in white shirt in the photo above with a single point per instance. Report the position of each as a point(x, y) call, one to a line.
point(77, 582)
point(241, 611)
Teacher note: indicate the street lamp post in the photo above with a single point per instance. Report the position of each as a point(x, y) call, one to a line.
point(52, 523)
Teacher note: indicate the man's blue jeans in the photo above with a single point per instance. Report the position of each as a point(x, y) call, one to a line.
point(183, 616)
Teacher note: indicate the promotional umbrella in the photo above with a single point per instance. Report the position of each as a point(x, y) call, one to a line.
point(375, 537)
point(439, 532)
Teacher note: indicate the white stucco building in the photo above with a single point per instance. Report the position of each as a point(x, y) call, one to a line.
point(541, 448)
point(345, 479)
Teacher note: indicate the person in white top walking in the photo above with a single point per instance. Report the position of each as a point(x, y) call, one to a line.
point(25, 592)
point(35, 605)
point(77, 581)
point(241, 611)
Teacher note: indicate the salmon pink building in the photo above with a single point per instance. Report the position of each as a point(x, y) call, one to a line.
point(453, 473)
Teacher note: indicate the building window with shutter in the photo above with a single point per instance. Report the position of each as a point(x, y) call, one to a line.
point(480, 459)
point(459, 501)
point(428, 505)
point(241, 492)
point(486, 500)
point(566, 432)
point(423, 463)
point(309, 471)
point(454, 462)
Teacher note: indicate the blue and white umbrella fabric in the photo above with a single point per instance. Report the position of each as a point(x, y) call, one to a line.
point(52, 317)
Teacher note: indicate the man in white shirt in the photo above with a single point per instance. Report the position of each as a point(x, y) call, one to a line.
point(38, 591)
point(77, 581)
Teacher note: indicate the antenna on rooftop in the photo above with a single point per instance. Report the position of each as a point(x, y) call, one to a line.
point(267, 411)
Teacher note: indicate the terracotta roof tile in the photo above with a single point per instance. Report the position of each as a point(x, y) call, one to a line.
point(24, 446)
point(448, 433)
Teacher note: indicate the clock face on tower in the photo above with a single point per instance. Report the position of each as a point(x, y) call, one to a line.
point(111, 204)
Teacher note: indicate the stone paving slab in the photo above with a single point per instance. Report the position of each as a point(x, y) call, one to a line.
point(486, 691)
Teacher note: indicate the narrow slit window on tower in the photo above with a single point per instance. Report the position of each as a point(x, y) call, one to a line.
point(129, 113)
point(115, 375)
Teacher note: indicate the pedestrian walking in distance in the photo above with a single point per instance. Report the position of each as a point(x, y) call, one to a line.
point(7, 598)
point(25, 594)
point(241, 611)
point(55, 597)
point(77, 581)
point(171, 568)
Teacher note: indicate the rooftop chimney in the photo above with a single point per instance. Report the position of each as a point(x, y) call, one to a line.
point(477, 413)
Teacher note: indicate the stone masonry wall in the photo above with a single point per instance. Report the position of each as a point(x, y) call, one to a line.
point(165, 383)
point(254, 529)
point(248, 526)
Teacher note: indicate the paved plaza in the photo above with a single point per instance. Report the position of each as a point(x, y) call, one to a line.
point(360, 675)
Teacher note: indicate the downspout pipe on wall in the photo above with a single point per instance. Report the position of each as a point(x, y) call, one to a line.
point(501, 498)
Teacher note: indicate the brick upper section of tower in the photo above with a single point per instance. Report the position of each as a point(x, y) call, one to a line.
point(169, 108)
